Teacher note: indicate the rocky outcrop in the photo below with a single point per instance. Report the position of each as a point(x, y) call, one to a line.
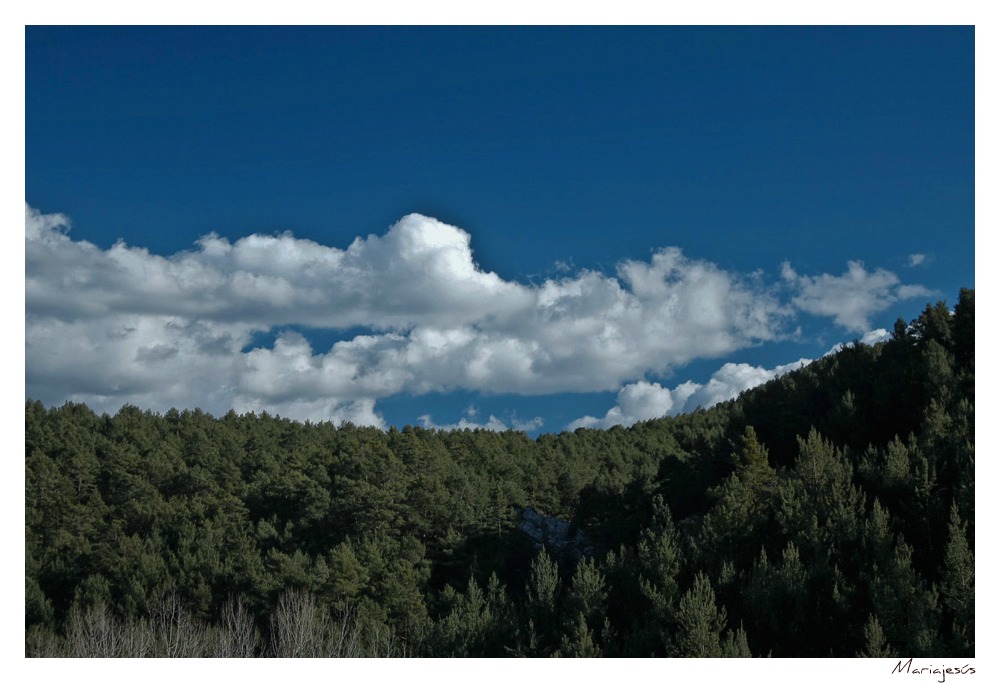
point(559, 537)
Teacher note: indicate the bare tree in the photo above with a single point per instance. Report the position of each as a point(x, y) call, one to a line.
point(298, 626)
point(96, 632)
point(40, 642)
point(175, 633)
point(236, 636)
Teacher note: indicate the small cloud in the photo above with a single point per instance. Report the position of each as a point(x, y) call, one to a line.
point(917, 260)
point(913, 291)
point(871, 337)
point(852, 298)
point(876, 336)
point(38, 226)
point(531, 425)
point(787, 272)
point(493, 424)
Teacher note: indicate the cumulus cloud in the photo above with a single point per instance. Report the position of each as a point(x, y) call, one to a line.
point(636, 402)
point(731, 380)
point(850, 299)
point(420, 272)
point(917, 259)
point(123, 325)
point(643, 400)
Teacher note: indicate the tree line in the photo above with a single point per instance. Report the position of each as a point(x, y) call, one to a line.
point(829, 512)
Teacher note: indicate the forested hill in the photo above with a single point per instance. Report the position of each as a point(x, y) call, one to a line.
point(826, 513)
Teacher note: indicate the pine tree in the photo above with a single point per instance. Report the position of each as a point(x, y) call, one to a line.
point(735, 644)
point(660, 561)
point(542, 596)
point(579, 642)
point(820, 505)
point(737, 524)
point(907, 609)
point(875, 643)
point(699, 622)
point(587, 593)
point(958, 590)
point(964, 330)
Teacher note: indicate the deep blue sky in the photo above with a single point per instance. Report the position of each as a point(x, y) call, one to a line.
point(746, 147)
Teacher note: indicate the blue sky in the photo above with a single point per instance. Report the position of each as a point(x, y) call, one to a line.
point(516, 227)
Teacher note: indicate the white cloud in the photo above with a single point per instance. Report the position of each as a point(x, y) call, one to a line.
point(731, 380)
point(636, 402)
point(870, 337)
point(643, 400)
point(917, 259)
point(852, 298)
point(493, 424)
point(122, 325)
point(420, 272)
point(876, 336)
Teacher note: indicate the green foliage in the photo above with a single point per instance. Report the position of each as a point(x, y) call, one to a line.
point(820, 505)
point(699, 622)
point(587, 593)
point(475, 622)
point(742, 517)
point(580, 643)
point(660, 559)
point(904, 604)
point(875, 644)
point(776, 598)
point(542, 602)
point(958, 585)
point(735, 644)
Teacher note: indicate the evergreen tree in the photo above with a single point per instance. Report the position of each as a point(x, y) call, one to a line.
point(958, 585)
point(543, 597)
point(660, 561)
point(875, 643)
point(906, 608)
point(579, 642)
point(738, 524)
point(699, 622)
point(735, 644)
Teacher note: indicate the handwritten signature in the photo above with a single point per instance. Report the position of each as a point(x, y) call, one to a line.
point(908, 667)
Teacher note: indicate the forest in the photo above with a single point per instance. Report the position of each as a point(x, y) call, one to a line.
point(827, 513)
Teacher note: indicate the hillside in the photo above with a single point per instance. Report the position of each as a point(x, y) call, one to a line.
point(829, 512)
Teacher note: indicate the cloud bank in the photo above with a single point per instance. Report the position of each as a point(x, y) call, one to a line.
point(123, 325)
